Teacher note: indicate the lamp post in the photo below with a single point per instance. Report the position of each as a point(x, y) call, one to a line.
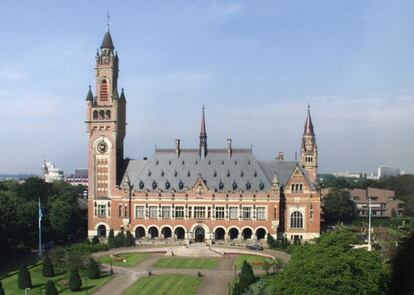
point(129, 186)
point(369, 225)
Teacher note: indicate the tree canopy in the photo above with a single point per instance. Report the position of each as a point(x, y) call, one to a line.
point(339, 206)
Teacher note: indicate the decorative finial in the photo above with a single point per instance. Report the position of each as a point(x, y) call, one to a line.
point(108, 19)
point(203, 107)
point(89, 86)
point(308, 106)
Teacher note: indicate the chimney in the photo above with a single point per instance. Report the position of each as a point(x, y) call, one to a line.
point(177, 147)
point(229, 149)
point(280, 156)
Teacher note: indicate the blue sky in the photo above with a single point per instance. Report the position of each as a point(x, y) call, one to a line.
point(254, 64)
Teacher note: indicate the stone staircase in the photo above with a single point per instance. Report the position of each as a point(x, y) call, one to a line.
point(194, 250)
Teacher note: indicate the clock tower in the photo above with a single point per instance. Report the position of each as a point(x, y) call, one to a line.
point(105, 119)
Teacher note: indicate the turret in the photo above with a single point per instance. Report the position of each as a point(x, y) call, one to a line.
point(203, 137)
point(309, 149)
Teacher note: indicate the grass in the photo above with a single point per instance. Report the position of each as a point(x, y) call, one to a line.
point(39, 283)
point(253, 260)
point(165, 284)
point(131, 259)
point(204, 263)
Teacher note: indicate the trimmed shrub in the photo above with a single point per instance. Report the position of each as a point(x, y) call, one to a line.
point(111, 239)
point(47, 269)
point(130, 238)
point(95, 240)
point(75, 282)
point(246, 277)
point(1, 289)
point(120, 239)
point(93, 269)
point(51, 288)
point(24, 279)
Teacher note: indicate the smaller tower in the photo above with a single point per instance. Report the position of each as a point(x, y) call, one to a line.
point(309, 149)
point(203, 137)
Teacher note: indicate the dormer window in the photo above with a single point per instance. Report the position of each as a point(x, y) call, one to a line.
point(196, 162)
point(154, 184)
point(141, 184)
point(248, 186)
point(162, 173)
point(255, 173)
point(180, 184)
point(261, 185)
point(175, 173)
point(235, 162)
point(215, 173)
point(221, 185)
point(228, 173)
point(241, 173)
point(167, 185)
point(234, 185)
point(169, 162)
point(188, 173)
point(157, 162)
point(149, 172)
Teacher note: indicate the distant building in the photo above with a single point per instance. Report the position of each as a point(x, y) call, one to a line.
point(384, 171)
point(51, 173)
point(79, 178)
point(383, 202)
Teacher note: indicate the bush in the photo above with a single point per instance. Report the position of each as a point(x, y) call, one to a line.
point(95, 240)
point(130, 238)
point(50, 288)
point(75, 282)
point(121, 240)
point(48, 270)
point(93, 269)
point(24, 280)
point(246, 277)
point(1, 289)
point(111, 239)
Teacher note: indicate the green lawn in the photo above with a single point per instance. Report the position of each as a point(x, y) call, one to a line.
point(186, 263)
point(39, 283)
point(131, 259)
point(165, 284)
point(253, 260)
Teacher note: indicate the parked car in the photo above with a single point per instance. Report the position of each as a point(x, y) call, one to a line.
point(255, 247)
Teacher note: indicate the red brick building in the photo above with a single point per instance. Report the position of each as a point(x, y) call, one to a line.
point(196, 194)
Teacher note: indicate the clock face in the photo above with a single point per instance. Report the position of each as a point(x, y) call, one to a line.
point(102, 147)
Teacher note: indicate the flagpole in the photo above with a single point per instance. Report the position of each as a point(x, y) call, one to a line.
point(40, 230)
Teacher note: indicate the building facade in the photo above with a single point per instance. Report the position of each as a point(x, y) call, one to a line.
point(196, 194)
point(51, 173)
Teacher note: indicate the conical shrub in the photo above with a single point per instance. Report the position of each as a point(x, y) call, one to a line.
point(75, 282)
point(24, 280)
point(47, 270)
point(51, 288)
point(93, 269)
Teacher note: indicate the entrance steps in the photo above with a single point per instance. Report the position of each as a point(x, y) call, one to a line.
point(194, 250)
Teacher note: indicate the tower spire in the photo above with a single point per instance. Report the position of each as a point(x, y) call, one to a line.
point(308, 124)
point(203, 136)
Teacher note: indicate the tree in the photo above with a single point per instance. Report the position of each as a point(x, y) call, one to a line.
point(120, 239)
point(47, 270)
point(339, 206)
point(246, 277)
point(130, 239)
point(111, 239)
point(236, 289)
point(332, 266)
point(1, 289)
point(258, 288)
point(51, 288)
point(75, 282)
point(24, 279)
point(93, 269)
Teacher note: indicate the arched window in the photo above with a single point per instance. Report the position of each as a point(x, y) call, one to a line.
point(296, 220)
point(95, 114)
point(104, 90)
point(108, 114)
point(101, 114)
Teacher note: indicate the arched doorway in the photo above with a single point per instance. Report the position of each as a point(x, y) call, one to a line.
point(219, 234)
point(233, 233)
point(247, 233)
point(101, 231)
point(179, 233)
point(139, 232)
point(153, 232)
point(199, 235)
point(260, 233)
point(166, 232)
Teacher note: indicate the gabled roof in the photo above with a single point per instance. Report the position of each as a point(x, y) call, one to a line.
point(240, 172)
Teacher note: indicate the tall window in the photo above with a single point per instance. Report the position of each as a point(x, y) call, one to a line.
point(247, 212)
point(199, 212)
point(219, 212)
point(297, 187)
point(233, 214)
point(104, 90)
point(179, 212)
point(261, 213)
point(101, 210)
point(152, 211)
point(166, 211)
point(139, 211)
point(296, 220)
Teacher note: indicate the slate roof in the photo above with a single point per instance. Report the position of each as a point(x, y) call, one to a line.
point(240, 172)
point(107, 41)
